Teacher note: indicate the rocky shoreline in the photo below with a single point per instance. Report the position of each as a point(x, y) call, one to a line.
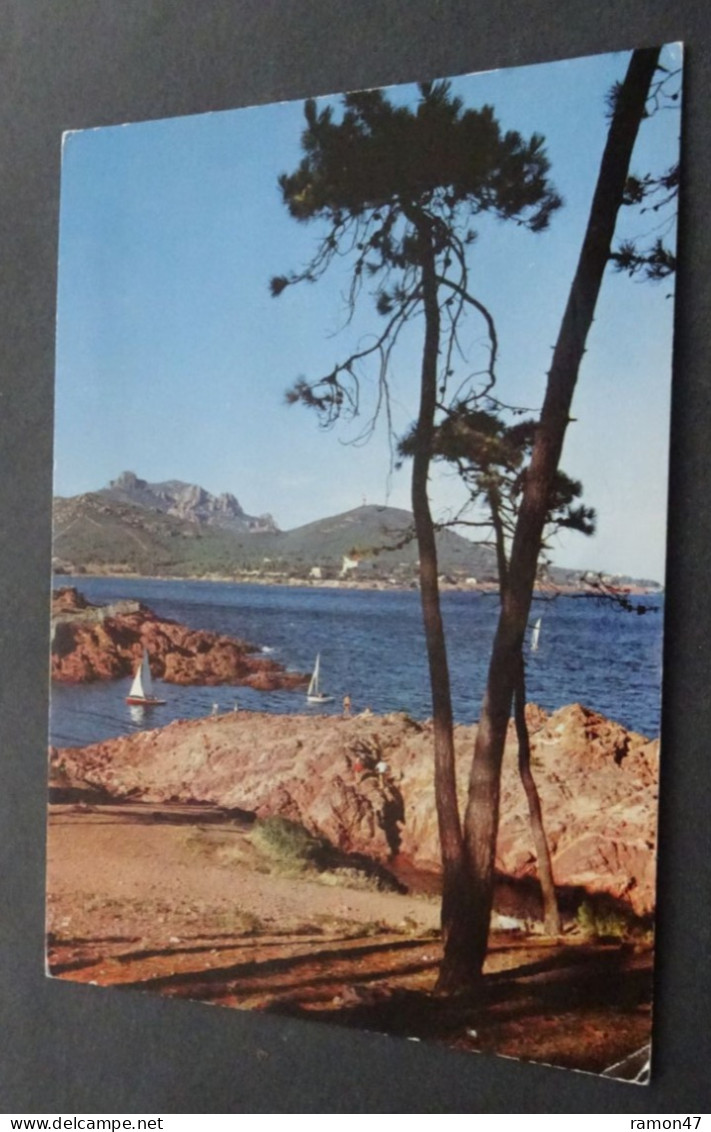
point(597, 781)
point(92, 642)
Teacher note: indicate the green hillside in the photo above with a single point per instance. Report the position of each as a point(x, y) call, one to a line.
point(382, 538)
point(93, 533)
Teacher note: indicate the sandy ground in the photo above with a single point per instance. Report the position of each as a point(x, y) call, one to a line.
point(135, 857)
point(177, 900)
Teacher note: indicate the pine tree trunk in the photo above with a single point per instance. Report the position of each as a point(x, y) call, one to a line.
point(551, 915)
point(482, 815)
point(455, 887)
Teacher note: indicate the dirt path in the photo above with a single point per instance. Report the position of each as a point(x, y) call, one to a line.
point(141, 857)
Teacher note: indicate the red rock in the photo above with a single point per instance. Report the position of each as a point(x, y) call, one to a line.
point(596, 780)
point(103, 643)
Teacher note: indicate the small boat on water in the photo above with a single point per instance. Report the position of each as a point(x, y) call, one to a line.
point(314, 695)
point(535, 635)
point(141, 691)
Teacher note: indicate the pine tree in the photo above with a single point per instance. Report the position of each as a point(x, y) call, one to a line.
point(399, 191)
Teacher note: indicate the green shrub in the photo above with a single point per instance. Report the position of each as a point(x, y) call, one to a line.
point(289, 843)
point(602, 923)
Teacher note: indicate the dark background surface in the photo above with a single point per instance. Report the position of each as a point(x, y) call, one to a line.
point(78, 63)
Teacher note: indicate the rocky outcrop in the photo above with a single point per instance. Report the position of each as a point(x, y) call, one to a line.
point(186, 501)
point(91, 642)
point(597, 782)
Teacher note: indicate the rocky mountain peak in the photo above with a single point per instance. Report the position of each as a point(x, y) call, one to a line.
point(186, 501)
point(127, 481)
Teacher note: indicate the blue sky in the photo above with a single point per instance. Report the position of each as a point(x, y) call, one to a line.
point(173, 359)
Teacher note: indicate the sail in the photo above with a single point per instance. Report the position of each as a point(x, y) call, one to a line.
point(313, 685)
point(142, 687)
point(535, 634)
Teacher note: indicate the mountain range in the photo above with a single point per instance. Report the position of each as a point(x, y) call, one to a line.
point(178, 529)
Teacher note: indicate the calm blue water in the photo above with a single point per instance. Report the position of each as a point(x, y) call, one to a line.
point(372, 646)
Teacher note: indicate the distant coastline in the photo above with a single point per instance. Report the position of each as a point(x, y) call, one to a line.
point(632, 589)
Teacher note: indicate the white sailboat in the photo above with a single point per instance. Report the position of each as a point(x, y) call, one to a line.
point(314, 695)
point(141, 691)
point(535, 634)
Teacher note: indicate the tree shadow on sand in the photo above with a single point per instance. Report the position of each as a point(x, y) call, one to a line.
point(577, 1004)
point(212, 981)
point(83, 952)
point(360, 985)
point(569, 979)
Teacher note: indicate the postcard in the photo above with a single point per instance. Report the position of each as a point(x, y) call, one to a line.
point(362, 414)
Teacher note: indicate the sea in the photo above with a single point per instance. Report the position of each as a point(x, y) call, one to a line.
point(372, 648)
